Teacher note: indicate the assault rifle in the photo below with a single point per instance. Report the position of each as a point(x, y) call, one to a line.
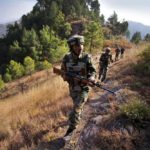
point(81, 79)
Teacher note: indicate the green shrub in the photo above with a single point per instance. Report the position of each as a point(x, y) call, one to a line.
point(41, 65)
point(143, 66)
point(136, 110)
point(7, 77)
point(2, 84)
point(15, 69)
point(29, 65)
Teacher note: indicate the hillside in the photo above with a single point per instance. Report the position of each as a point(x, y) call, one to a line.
point(138, 27)
point(44, 111)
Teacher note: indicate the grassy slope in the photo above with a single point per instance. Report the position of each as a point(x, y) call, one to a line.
point(40, 114)
point(40, 109)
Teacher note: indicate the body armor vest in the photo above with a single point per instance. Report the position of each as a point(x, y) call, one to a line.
point(77, 66)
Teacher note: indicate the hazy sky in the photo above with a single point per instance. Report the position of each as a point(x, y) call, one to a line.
point(133, 10)
point(11, 10)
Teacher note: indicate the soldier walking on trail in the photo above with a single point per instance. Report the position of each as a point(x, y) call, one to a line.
point(122, 52)
point(78, 62)
point(117, 53)
point(104, 61)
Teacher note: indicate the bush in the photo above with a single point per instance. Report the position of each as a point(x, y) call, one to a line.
point(7, 77)
point(136, 110)
point(15, 69)
point(29, 65)
point(2, 84)
point(143, 66)
point(43, 65)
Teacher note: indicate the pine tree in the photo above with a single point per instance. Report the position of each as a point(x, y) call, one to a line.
point(136, 38)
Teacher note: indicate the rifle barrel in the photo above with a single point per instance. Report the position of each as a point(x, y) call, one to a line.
point(98, 85)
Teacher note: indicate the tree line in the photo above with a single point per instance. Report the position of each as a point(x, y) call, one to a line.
point(38, 39)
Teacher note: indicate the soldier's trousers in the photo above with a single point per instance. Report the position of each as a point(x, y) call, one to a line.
point(79, 99)
point(116, 56)
point(103, 72)
point(122, 55)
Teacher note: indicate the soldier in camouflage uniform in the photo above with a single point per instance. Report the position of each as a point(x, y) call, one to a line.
point(78, 62)
point(117, 53)
point(122, 52)
point(104, 61)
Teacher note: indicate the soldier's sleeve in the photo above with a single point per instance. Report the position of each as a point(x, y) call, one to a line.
point(100, 59)
point(90, 67)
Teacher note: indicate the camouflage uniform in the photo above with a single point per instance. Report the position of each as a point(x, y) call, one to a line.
point(104, 61)
point(122, 52)
point(80, 65)
point(117, 51)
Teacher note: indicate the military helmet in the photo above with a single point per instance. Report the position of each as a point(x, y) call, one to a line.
point(75, 40)
point(107, 49)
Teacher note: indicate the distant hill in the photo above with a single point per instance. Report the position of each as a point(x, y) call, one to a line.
point(3, 28)
point(136, 26)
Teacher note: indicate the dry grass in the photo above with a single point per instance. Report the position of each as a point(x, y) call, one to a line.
point(114, 140)
point(120, 42)
point(39, 114)
point(41, 108)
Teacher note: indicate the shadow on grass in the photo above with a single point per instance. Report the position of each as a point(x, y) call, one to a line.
point(55, 144)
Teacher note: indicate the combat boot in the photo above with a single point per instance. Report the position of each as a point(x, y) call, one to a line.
point(69, 131)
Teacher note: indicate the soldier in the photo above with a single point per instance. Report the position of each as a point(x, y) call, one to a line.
point(122, 51)
point(78, 62)
point(104, 61)
point(117, 51)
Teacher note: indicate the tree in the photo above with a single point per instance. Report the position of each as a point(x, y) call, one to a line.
point(113, 19)
point(43, 65)
point(62, 28)
point(7, 76)
point(45, 39)
point(15, 52)
point(13, 32)
point(136, 38)
point(95, 8)
point(118, 28)
point(147, 37)
point(51, 13)
point(29, 65)
point(30, 43)
point(16, 70)
point(122, 27)
point(53, 48)
point(94, 36)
